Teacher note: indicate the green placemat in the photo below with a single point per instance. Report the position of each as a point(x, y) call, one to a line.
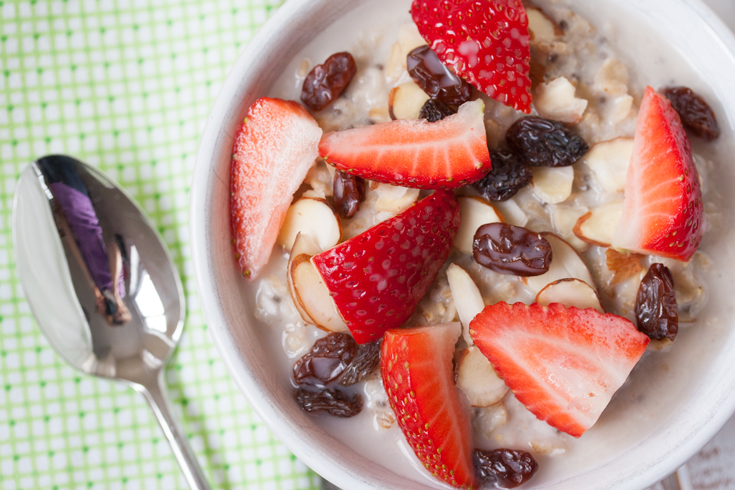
point(125, 85)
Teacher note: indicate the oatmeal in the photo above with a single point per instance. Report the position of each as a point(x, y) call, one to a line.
point(529, 208)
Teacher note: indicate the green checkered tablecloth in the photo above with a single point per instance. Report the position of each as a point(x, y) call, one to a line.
point(125, 85)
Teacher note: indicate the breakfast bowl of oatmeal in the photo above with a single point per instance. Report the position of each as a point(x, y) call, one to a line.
point(476, 244)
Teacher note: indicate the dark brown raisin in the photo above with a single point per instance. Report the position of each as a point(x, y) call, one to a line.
point(504, 468)
point(366, 360)
point(512, 250)
point(696, 115)
point(348, 191)
point(435, 78)
point(334, 402)
point(507, 176)
point(435, 110)
point(656, 312)
point(540, 142)
point(326, 360)
point(326, 82)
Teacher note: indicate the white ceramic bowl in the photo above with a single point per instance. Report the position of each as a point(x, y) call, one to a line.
point(676, 401)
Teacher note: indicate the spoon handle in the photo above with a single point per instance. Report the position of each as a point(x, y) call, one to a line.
point(155, 392)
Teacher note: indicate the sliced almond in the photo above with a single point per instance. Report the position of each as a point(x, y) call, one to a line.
point(409, 39)
point(555, 100)
point(303, 245)
point(609, 161)
point(511, 212)
point(477, 379)
point(619, 108)
point(623, 265)
point(379, 115)
point(565, 263)
point(474, 212)
point(570, 292)
point(552, 184)
point(396, 63)
point(541, 27)
point(597, 226)
point(392, 198)
point(406, 100)
point(312, 296)
point(313, 217)
point(467, 298)
point(564, 217)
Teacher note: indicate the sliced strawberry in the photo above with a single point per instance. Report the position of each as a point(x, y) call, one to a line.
point(563, 364)
point(415, 153)
point(416, 367)
point(663, 212)
point(378, 277)
point(274, 149)
point(484, 41)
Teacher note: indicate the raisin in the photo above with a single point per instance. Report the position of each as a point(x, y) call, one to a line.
point(507, 176)
point(504, 468)
point(366, 360)
point(541, 142)
point(435, 78)
point(435, 110)
point(656, 312)
point(509, 249)
point(334, 402)
point(696, 115)
point(348, 191)
point(326, 82)
point(326, 360)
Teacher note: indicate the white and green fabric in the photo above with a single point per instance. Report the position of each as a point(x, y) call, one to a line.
point(124, 85)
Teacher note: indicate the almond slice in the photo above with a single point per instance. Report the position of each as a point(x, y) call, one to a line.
point(396, 63)
point(475, 212)
point(307, 289)
point(570, 292)
point(314, 217)
point(541, 27)
point(609, 162)
point(477, 379)
point(406, 100)
point(313, 296)
point(623, 265)
point(409, 39)
point(467, 298)
point(392, 198)
point(552, 184)
point(565, 263)
point(597, 226)
point(555, 100)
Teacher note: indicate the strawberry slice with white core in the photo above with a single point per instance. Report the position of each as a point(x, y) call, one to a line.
point(484, 41)
point(563, 364)
point(415, 153)
point(416, 367)
point(274, 149)
point(663, 212)
point(378, 277)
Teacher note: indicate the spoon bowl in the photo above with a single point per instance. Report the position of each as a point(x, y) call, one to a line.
point(100, 282)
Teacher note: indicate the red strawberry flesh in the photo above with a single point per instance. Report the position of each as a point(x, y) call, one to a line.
point(274, 149)
point(663, 212)
point(416, 368)
point(415, 153)
point(378, 277)
point(484, 41)
point(563, 364)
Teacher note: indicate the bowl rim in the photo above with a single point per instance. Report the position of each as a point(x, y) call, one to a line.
point(260, 399)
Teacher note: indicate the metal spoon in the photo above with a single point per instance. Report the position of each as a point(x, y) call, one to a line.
point(101, 283)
